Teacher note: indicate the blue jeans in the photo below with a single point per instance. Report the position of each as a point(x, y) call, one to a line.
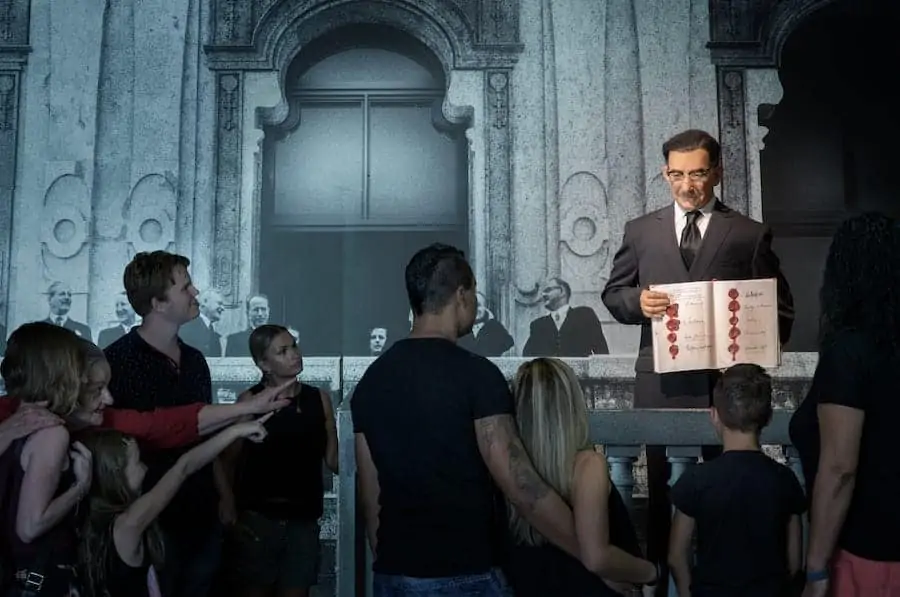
point(487, 584)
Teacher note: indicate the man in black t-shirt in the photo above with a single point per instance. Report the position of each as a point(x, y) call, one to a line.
point(152, 368)
point(746, 506)
point(435, 440)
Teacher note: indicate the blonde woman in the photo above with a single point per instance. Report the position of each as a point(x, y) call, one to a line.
point(553, 422)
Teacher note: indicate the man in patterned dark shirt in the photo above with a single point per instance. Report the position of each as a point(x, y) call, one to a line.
point(152, 368)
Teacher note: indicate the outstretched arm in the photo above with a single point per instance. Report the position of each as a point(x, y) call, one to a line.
point(512, 470)
point(129, 526)
point(178, 426)
point(622, 293)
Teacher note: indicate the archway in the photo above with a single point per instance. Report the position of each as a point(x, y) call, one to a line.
point(251, 53)
point(362, 172)
point(830, 150)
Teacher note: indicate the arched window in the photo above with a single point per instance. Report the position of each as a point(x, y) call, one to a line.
point(368, 146)
point(364, 171)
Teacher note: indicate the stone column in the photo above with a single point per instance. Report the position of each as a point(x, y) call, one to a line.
point(14, 27)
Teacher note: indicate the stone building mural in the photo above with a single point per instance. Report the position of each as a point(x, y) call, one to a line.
point(301, 150)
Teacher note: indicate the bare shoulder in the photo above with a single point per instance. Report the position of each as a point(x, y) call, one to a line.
point(47, 437)
point(52, 441)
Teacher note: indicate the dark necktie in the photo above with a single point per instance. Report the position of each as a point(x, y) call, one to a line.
point(690, 238)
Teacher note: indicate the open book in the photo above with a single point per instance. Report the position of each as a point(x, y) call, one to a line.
point(714, 325)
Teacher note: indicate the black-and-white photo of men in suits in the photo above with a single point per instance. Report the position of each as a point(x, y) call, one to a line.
point(566, 331)
point(126, 318)
point(200, 331)
point(488, 336)
point(59, 297)
point(238, 344)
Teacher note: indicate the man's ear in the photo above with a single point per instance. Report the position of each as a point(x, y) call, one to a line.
point(156, 304)
point(717, 175)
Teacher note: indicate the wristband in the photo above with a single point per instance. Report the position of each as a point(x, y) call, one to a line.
point(816, 575)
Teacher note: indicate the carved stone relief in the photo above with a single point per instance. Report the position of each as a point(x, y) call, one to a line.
point(9, 109)
point(497, 161)
point(65, 224)
point(150, 225)
point(226, 260)
point(14, 32)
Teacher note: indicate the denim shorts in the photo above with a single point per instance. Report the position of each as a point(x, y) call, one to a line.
point(487, 584)
point(271, 552)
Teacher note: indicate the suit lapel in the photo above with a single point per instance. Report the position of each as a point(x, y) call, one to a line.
point(718, 228)
point(665, 221)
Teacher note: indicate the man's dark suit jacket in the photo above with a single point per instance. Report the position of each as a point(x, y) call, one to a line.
point(492, 340)
point(79, 328)
point(110, 335)
point(205, 339)
point(581, 335)
point(734, 247)
point(238, 344)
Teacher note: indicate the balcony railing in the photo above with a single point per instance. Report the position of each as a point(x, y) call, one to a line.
point(608, 383)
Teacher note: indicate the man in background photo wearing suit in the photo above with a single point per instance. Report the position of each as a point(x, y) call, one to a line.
point(566, 331)
point(199, 332)
point(694, 238)
point(126, 320)
point(59, 298)
point(488, 336)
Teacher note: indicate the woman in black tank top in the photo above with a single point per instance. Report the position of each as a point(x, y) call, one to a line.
point(278, 484)
point(553, 423)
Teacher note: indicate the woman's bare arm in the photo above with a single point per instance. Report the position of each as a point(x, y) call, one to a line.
point(840, 430)
point(129, 526)
point(680, 552)
point(331, 446)
point(590, 504)
point(43, 459)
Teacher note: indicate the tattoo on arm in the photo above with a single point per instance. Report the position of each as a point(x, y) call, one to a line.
point(508, 461)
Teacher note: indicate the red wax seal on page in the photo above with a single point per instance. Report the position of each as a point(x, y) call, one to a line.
point(673, 350)
point(733, 293)
point(733, 320)
point(734, 333)
point(733, 348)
point(672, 310)
point(672, 337)
point(672, 325)
point(734, 306)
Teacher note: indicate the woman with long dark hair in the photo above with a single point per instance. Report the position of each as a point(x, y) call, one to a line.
point(845, 429)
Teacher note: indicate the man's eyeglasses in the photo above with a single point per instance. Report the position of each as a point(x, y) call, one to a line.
point(694, 175)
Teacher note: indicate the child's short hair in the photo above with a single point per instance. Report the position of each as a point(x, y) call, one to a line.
point(743, 398)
